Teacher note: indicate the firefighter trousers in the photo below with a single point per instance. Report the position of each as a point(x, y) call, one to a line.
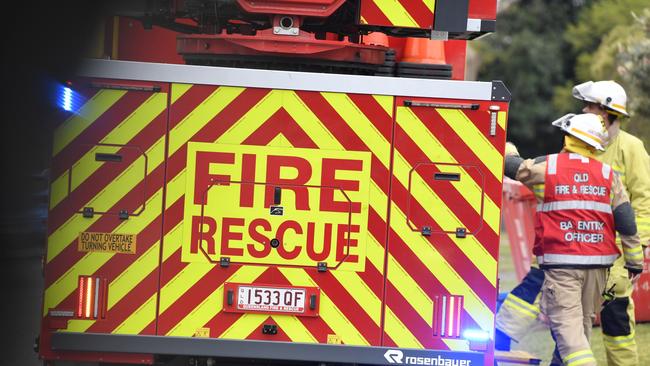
point(519, 312)
point(569, 300)
point(617, 318)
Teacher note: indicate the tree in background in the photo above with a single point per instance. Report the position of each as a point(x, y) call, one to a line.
point(611, 41)
point(530, 55)
point(634, 67)
point(542, 48)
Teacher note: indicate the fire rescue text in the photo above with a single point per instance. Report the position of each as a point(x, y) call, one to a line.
point(589, 232)
point(323, 196)
point(580, 188)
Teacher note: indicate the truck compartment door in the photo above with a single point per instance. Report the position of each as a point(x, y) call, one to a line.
point(105, 215)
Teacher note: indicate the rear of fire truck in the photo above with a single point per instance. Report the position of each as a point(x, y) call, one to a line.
point(279, 189)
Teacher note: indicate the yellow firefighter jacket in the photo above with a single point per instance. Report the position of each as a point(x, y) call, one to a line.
point(629, 158)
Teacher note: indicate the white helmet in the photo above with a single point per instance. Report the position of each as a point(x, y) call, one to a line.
point(588, 128)
point(607, 93)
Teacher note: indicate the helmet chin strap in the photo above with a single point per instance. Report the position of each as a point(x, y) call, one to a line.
point(577, 146)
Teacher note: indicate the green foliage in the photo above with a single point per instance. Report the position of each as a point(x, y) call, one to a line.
point(542, 48)
point(563, 100)
point(532, 58)
point(598, 19)
point(593, 24)
point(633, 66)
point(623, 54)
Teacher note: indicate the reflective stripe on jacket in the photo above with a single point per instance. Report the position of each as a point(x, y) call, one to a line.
point(575, 220)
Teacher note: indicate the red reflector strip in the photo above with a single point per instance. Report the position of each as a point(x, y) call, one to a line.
point(446, 316)
point(434, 325)
point(80, 301)
point(92, 296)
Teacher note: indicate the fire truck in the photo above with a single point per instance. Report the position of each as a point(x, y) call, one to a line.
point(277, 181)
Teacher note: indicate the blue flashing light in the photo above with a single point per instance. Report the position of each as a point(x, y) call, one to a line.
point(67, 99)
point(476, 335)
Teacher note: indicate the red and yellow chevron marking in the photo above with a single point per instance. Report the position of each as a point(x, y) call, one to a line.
point(398, 13)
point(389, 300)
point(321, 217)
point(192, 293)
point(449, 141)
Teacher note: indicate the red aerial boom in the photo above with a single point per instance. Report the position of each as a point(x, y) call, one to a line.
point(304, 35)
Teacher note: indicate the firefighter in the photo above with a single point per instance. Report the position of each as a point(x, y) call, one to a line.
point(582, 205)
point(519, 313)
point(629, 159)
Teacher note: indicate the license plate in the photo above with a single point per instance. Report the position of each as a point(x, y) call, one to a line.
point(271, 299)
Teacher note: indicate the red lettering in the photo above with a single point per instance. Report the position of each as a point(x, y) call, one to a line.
point(342, 243)
point(203, 179)
point(259, 238)
point(199, 235)
point(327, 242)
point(328, 179)
point(247, 177)
point(227, 236)
point(274, 165)
point(284, 253)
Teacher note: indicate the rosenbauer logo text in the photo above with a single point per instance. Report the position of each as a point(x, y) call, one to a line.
point(259, 204)
point(397, 357)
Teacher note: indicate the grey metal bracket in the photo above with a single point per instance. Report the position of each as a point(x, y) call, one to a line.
point(88, 212)
point(461, 232)
point(224, 262)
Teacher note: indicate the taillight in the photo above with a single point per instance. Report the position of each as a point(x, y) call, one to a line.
point(91, 297)
point(446, 316)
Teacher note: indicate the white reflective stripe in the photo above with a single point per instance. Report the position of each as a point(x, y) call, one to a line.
point(574, 205)
point(531, 308)
point(619, 341)
point(606, 170)
point(580, 358)
point(552, 164)
point(540, 259)
point(633, 253)
point(97, 280)
point(579, 259)
point(574, 156)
